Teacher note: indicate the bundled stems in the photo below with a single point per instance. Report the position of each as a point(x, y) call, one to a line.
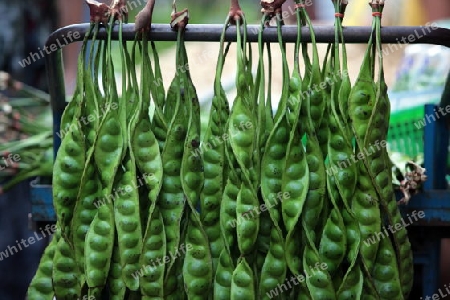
point(143, 20)
point(99, 12)
point(119, 10)
point(272, 7)
point(180, 19)
point(235, 13)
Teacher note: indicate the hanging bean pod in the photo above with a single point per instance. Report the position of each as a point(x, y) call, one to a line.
point(41, 286)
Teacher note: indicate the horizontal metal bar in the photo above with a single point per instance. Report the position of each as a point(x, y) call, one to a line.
point(212, 32)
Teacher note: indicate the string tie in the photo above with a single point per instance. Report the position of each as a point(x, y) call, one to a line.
point(376, 14)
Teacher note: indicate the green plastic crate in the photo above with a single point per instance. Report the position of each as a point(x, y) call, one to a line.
point(404, 136)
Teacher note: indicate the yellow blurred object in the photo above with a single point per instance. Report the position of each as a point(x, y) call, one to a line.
point(396, 13)
point(413, 14)
point(357, 14)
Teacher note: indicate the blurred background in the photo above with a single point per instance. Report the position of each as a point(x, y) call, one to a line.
point(26, 24)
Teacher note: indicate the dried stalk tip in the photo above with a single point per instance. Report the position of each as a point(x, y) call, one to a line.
point(119, 10)
point(374, 4)
point(236, 13)
point(271, 7)
point(343, 7)
point(143, 21)
point(413, 180)
point(100, 12)
point(180, 19)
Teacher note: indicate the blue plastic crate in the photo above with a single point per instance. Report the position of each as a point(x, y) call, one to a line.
point(41, 202)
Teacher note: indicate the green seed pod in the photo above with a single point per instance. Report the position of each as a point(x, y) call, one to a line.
point(274, 269)
point(197, 268)
point(85, 209)
point(247, 226)
point(115, 282)
point(385, 272)
point(323, 132)
point(369, 292)
point(295, 180)
point(367, 213)
point(242, 282)
point(148, 158)
point(241, 129)
point(174, 282)
point(128, 221)
point(154, 247)
point(334, 242)
point(214, 181)
point(109, 148)
point(98, 247)
point(66, 275)
point(41, 286)
point(304, 293)
point(352, 284)
point(171, 199)
point(272, 164)
point(318, 279)
point(223, 277)
point(228, 216)
point(67, 173)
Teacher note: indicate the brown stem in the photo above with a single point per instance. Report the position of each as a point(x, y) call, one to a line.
point(343, 7)
point(375, 4)
point(235, 12)
point(180, 19)
point(270, 7)
point(99, 12)
point(119, 10)
point(143, 21)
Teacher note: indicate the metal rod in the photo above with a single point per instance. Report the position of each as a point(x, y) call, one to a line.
point(324, 34)
point(55, 77)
